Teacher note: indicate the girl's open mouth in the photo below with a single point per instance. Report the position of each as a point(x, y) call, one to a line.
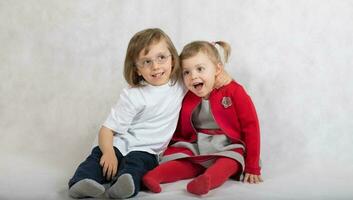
point(198, 86)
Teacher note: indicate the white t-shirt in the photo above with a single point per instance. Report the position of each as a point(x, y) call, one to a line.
point(145, 118)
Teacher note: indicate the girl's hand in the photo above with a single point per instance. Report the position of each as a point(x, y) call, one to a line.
point(251, 178)
point(109, 162)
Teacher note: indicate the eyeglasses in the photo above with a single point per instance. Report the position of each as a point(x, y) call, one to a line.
point(147, 63)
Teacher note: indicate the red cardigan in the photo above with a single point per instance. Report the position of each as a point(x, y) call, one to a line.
point(234, 113)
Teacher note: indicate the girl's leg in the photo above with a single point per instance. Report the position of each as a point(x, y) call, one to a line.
point(214, 176)
point(171, 171)
point(131, 169)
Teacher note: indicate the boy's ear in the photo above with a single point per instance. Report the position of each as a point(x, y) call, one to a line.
point(138, 72)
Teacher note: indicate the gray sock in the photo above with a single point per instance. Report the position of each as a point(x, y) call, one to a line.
point(123, 188)
point(86, 188)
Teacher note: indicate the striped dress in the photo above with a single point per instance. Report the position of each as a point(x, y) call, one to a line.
point(211, 141)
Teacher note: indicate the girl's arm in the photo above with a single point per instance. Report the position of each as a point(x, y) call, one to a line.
point(108, 161)
point(250, 130)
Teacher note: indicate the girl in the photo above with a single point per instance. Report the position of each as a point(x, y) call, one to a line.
point(141, 124)
point(217, 128)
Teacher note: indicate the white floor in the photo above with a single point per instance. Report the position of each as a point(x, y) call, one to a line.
point(32, 177)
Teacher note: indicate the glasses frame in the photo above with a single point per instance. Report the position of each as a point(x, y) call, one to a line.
point(153, 60)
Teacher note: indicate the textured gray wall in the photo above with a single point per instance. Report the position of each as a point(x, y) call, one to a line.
point(61, 71)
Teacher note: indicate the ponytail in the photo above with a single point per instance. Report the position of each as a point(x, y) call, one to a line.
point(226, 50)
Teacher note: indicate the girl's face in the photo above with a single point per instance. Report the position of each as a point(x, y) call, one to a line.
point(156, 66)
point(199, 74)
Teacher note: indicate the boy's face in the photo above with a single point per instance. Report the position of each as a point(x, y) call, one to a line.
point(199, 74)
point(156, 66)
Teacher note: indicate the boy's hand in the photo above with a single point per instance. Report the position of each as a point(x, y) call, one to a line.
point(222, 79)
point(109, 162)
point(251, 178)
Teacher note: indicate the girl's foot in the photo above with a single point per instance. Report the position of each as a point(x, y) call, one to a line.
point(151, 184)
point(200, 185)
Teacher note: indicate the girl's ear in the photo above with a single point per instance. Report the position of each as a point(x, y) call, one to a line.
point(219, 68)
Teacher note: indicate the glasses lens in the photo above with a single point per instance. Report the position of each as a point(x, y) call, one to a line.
point(161, 59)
point(147, 63)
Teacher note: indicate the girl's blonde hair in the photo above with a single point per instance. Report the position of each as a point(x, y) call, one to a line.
point(142, 41)
point(209, 48)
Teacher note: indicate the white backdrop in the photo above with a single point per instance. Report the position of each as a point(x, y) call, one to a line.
point(61, 71)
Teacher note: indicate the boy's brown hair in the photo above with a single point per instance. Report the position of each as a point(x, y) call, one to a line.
point(142, 41)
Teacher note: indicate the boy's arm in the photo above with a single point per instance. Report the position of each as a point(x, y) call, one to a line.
point(105, 140)
point(119, 121)
point(108, 161)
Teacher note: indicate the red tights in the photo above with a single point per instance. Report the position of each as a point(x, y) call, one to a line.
point(207, 179)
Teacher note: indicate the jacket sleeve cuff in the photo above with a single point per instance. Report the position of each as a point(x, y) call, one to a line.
point(253, 170)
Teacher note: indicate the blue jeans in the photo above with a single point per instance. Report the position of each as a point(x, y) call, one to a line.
point(136, 163)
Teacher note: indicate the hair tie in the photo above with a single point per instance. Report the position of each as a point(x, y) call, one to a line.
point(220, 51)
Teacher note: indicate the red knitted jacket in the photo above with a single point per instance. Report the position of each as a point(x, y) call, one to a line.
point(234, 113)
